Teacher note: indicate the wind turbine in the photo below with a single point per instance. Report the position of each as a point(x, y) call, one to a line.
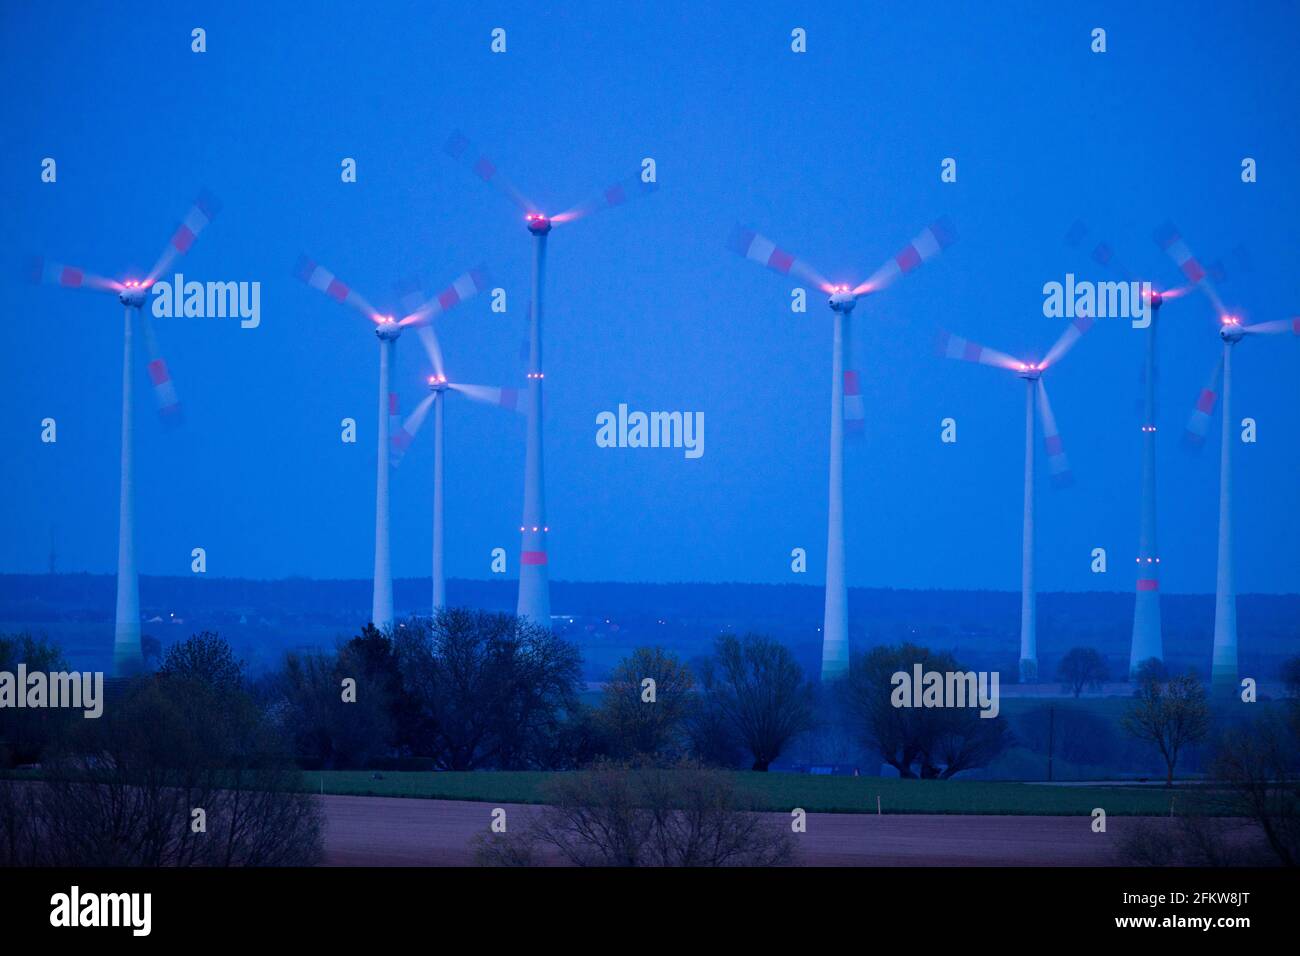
point(439, 385)
point(534, 586)
point(954, 347)
point(847, 411)
point(1223, 666)
point(387, 330)
point(132, 293)
point(1147, 640)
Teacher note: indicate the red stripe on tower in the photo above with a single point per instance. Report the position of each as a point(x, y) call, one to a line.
point(1148, 584)
point(533, 557)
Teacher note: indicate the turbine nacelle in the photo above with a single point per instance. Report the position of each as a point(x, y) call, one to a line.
point(387, 328)
point(842, 299)
point(1154, 299)
point(133, 293)
point(438, 383)
point(1029, 371)
point(1230, 329)
point(538, 224)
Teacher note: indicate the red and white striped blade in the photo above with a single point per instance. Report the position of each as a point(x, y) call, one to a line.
point(48, 272)
point(1198, 425)
point(401, 436)
point(1073, 332)
point(202, 213)
point(935, 238)
point(955, 347)
point(462, 150)
point(855, 415)
point(1058, 466)
point(432, 348)
point(464, 287)
point(1171, 241)
point(160, 376)
point(758, 248)
point(491, 395)
point(1276, 327)
point(627, 188)
point(322, 280)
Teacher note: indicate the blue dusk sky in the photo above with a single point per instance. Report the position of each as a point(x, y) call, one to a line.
point(834, 153)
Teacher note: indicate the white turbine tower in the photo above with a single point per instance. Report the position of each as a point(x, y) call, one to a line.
point(439, 385)
point(1223, 668)
point(847, 412)
point(387, 329)
point(1147, 640)
point(133, 293)
point(954, 347)
point(534, 582)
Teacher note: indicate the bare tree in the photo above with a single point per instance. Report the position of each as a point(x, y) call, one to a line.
point(490, 690)
point(930, 742)
point(1170, 716)
point(179, 772)
point(1082, 667)
point(617, 815)
point(650, 720)
point(1257, 767)
point(761, 689)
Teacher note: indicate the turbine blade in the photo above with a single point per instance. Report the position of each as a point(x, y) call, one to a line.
point(409, 294)
point(203, 211)
point(429, 339)
point(461, 149)
point(1239, 258)
point(401, 437)
point(1198, 426)
point(1275, 327)
point(955, 347)
point(1102, 252)
point(1073, 332)
point(164, 390)
point(464, 287)
point(1168, 238)
point(1058, 465)
point(491, 395)
point(758, 248)
point(935, 238)
point(321, 279)
point(630, 187)
point(47, 272)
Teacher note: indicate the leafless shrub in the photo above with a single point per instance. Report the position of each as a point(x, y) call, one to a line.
point(678, 815)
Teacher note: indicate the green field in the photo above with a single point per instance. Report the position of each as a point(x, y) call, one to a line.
point(784, 791)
